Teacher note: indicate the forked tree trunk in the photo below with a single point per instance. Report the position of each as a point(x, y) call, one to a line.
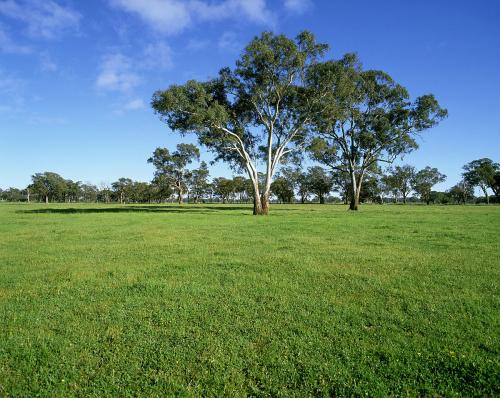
point(355, 191)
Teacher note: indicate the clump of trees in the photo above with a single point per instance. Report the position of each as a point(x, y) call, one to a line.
point(283, 97)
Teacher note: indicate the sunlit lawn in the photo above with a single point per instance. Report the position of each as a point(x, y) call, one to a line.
point(209, 300)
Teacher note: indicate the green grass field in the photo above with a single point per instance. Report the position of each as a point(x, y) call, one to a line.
point(209, 300)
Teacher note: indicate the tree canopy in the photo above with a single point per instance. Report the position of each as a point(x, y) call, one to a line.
point(258, 111)
point(364, 118)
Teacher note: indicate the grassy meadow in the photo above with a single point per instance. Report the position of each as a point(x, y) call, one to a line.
point(208, 300)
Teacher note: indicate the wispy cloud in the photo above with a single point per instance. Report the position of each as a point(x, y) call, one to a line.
point(12, 90)
point(43, 18)
point(298, 6)
point(173, 16)
point(10, 85)
point(228, 42)
point(157, 55)
point(116, 73)
point(46, 63)
point(134, 105)
point(197, 44)
point(7, 44)
point(37, 119)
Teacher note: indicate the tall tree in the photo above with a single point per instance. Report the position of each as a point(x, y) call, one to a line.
point(365, 118)
point(481, 173)
point(258, 111)
point(319, 182)
point(424, 180)
point(172, 166)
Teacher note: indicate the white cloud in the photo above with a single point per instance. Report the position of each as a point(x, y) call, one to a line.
point(174, 16)
point(116, 73)
point(157, 55)
point(134, 105)
point(298, 6)
point(166, 16)
point(44, 18)
point(128, 105)
point(7, 45)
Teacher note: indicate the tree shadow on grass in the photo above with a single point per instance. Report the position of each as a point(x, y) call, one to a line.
point(142, 209)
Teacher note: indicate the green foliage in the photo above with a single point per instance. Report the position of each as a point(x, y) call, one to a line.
point(48, 186)
point(481, 173)
point(364, 118)
point(171, 167)
point(140, 300)
point(424, 180)
point(462, 192)
point(260, 110)
point(283, 190)
point(319, 182)
point(198, 182)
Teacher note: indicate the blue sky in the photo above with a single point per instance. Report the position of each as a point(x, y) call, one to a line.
point(76, 77)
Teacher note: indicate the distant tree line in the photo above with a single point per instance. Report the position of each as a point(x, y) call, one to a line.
point(174, 181)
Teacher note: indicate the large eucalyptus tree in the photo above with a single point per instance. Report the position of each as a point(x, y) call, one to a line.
point(365, 118)
point(257, 113)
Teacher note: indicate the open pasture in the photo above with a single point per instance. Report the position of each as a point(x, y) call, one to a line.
point(207, 300)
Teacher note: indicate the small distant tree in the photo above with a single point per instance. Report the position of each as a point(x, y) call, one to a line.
point(282, 189)
point(198, 183)
point(223, 187)
point(424, 180)
point(400, 178)
point(104, 192)
point(461, 192)
point(481, 173)
point(122, 188)
point(389, 185)
point(320, 183)
point(73, 191)
point(48, 186)
point(89, 192)
point(297, 180)
point(172, 166)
